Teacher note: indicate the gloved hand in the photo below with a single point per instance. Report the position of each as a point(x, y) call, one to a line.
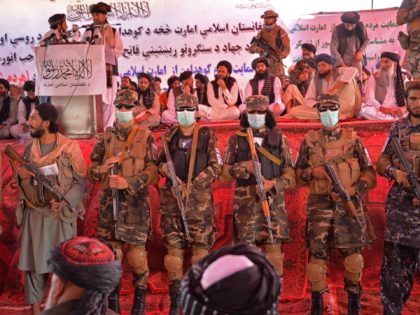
point(401, 178)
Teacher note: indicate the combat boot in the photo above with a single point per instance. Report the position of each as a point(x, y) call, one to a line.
point(317, 304)
point(175, 295)
point(353, 306)
point(139, 302)
point(114, 300)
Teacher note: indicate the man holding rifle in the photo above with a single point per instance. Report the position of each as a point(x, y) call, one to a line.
point(273, 43)
point(400, 161)
point(191, 162)
point(50, 196)
point(258, 157)
point(124, 162)
point(334, 164)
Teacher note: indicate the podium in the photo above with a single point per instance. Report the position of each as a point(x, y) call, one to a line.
point(74, 76)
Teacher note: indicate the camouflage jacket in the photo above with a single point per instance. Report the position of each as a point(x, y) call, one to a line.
point(277, 38)
point(200, 199)
point(304, 168)
point(403, 218)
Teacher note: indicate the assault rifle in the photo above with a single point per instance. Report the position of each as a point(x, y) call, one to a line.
point(175, 185)
point(412, 178)
point(269, 51)
point(339, 189)
point(115, 196)
point(260, 183)
point(41, 179)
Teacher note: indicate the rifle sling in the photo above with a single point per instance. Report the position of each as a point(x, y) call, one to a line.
point(264, 152)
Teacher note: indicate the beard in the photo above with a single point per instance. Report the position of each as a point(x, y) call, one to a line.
point(37, 133)
point(348, 33)
point(323, 75)
point(261, 75)
point(412, 113)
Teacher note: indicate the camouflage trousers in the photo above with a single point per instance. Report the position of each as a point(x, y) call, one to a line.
point(201, 232)
point(249, 222)
point(414, 54)
point(277, 69)
point(330, 226)
point(399, 266)
point(133, 218)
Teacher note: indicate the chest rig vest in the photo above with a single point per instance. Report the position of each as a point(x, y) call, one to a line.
point(272, 143)
point(340, 152)
point(180, 149)
point(131, 152)
point(254, 86)
point(410, 142)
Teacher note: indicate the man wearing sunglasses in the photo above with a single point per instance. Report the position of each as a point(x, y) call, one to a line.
point(330, 224)
point(124, 162)
point(197, 164)
point(277, 170)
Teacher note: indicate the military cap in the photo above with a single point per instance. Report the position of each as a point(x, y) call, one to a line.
point(259, 60)
point(56, 19)
point(326, 99)
point(126, 97)
point(269, 14)
point(412, 85)
point(100, 7)
point(186, 100)
point(257, 102)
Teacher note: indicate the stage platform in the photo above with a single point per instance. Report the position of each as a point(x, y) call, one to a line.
point(295, 298)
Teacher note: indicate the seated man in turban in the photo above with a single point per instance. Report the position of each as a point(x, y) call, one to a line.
point(85, 270)
point(329, 79)
point(385, 91)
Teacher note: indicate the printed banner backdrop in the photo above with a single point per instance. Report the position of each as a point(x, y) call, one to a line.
point(70, 70)
point(167, 37)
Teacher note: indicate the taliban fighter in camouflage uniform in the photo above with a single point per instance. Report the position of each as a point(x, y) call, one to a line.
point(278, 173)
point(402, 233)
point(133, 152)
point(197, 196)
point(329, 223)
point(409, 13)
point(277, 38)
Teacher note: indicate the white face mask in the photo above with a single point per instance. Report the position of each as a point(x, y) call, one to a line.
point(329, 118)
point(256, 121)
point(186, 118)
point(125, 117)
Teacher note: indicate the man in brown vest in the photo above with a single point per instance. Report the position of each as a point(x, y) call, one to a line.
point(45, 221)
point(277, 39)
point(266, 84)
point(329, 222)
point(124, 162)
point(329, 79)
point(384, 98)
point(197, 164)
point(349, 41)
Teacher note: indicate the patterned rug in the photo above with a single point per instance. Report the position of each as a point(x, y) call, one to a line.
point(295, 297)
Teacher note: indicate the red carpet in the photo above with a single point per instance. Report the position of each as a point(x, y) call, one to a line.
point(295, 297)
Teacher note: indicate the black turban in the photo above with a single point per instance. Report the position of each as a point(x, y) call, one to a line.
point(309, 47)
point(29, 86)
point(185, 75)
point(390, 55)
point(56, 19)
point(350, 17)
point(325, 57)
point(259, 60)
point(5, 83)
point(225, 64)
point(253, 289)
